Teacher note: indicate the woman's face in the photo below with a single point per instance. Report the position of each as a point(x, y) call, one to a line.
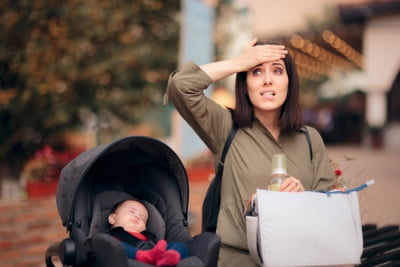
point(267, 87)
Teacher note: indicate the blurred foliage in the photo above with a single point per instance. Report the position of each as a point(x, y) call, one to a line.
point(62, 62)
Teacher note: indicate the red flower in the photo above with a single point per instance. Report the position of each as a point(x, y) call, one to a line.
point(338, 172)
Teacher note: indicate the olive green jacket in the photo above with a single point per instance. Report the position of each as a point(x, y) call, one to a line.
point(248, 162)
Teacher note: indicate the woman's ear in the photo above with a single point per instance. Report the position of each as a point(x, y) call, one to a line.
point(111, 218)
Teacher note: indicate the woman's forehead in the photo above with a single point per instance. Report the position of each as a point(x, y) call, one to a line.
point(276, 62)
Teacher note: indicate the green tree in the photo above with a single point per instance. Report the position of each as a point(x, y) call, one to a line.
point(64, 61)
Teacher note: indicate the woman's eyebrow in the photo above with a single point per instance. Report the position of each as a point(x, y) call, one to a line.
point(257, 66)
point(277, 63)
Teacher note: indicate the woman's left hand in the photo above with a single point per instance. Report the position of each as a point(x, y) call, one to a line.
point(291, 184)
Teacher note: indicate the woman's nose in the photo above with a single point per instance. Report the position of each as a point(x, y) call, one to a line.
point(267, 78)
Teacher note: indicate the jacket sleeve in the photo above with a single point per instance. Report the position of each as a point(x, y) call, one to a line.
point(209, 120)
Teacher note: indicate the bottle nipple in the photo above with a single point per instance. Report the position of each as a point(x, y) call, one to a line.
point(279, 164)
point(279, 171)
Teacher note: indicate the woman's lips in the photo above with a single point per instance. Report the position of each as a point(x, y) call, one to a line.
point(268, 94)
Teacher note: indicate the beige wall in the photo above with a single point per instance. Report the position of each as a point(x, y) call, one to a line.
point(288, 16)
point(382, 52)
point(382, 63)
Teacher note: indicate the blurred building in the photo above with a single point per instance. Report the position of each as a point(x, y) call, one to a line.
point(347, 51)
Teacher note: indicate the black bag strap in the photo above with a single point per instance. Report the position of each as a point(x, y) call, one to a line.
point(228, 142)
point(307, 134)
point(212, 200)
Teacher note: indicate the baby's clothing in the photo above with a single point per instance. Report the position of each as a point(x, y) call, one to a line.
point(143, 247)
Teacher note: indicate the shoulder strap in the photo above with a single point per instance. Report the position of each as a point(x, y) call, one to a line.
point(307, 134)
point(228, 142)
point(212, 200)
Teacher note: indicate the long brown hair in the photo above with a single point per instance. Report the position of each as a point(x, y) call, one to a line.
point(291, 117)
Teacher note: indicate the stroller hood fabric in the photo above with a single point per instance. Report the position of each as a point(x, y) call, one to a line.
point(137, 150)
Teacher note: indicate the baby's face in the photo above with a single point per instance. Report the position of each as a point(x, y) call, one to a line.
point(131, 215)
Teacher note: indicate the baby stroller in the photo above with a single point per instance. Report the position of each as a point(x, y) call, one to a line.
point(92, 183)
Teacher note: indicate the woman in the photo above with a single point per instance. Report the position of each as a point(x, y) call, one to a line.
point(269, 118)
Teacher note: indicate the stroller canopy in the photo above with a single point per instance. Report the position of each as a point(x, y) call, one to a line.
point(126, 153)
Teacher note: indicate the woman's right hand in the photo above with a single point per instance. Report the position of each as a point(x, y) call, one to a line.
point(254, 55)
point(251, 56)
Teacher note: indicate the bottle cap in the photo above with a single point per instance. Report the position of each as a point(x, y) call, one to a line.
point(279, 164)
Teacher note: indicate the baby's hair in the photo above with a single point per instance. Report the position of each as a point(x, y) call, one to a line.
point(116, 206)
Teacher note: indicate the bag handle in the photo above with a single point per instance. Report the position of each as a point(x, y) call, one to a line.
point(308, 138)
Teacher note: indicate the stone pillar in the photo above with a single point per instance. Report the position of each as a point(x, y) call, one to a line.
point(376, 117)
point(382, 57)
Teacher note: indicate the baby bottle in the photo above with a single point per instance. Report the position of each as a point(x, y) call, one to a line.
point(279, 171)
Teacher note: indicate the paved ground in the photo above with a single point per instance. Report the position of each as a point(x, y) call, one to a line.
point(379, 204)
